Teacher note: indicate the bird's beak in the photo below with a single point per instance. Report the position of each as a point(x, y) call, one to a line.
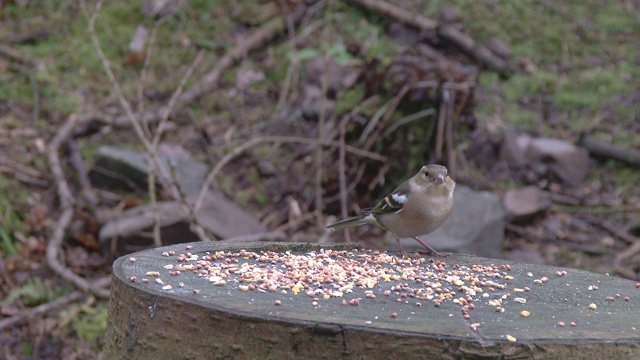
point(439, 178)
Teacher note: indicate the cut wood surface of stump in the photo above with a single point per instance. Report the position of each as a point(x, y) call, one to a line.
point(288, 301)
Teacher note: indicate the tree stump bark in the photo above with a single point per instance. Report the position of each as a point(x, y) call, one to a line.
point(379, 306)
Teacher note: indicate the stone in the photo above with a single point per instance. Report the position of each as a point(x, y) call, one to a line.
point(531, 159)
point(476, 226)
point(220, 216)
point(513, 149)
point(127, 170)
point(522, 205)
point(122, 169)
point(565, 160)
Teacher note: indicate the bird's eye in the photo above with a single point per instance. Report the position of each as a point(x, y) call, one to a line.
point(426, 173)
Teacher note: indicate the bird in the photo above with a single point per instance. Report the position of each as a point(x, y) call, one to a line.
point(416, 207)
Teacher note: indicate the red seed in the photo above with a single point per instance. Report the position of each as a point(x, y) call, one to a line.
point(573, 324)
point(278, 302)
point(561, 324)
point(394, 315)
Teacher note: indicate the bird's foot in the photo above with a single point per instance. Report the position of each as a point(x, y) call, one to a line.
point(430, 251)
point(433, 253)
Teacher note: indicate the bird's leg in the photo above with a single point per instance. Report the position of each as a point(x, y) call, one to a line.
point(430, 251)
point(404, 252)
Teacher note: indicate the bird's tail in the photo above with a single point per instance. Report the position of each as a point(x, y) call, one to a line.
point(349, 222)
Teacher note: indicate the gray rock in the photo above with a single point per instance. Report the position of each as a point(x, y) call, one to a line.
point(222, 217)
point(565, 160)
point(126, 170)
point(535, 158)
point(476, 226)
point(514, 148)
point(524, 204)
point(122, 169)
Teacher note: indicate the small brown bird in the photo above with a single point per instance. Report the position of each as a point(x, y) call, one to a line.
point(417, 207)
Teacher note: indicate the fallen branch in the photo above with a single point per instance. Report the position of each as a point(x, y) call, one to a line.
point(265, 34)
point(608, 151)
point(42, 309)
point(407, 17)
point(67, 206)
point(449, 33)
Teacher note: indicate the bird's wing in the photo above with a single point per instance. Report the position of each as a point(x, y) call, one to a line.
point(392, 203)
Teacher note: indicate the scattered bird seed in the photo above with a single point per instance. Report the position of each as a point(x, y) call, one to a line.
point(511, 338)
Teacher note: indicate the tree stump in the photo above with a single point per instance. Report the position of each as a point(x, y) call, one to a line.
point(291, 301)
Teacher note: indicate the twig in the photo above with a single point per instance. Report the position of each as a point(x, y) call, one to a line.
point(410, 18)
point(322, 119)
point(470, 47)
point(22, 172)
point(593, 209)
point(449, 122)
point(442, 119)
point(16, 55)
point(67, 203)
point(273, 139)
point(447, 32)
point(42, 309)
point(262, 36)
point(154, 150)
point(612, 229)
point(387, 116)
point(342, 176)
point(407, 119)
point(174, 100)
point(83, 178)
point(147, 61)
